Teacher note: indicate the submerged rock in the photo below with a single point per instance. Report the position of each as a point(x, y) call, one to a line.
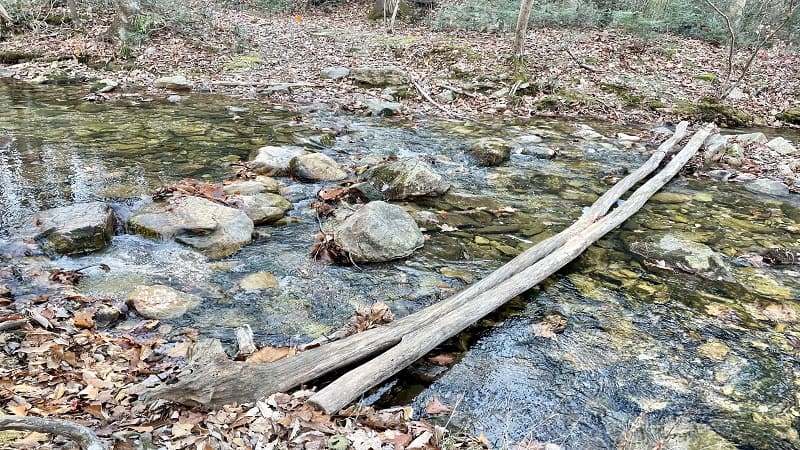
point(316, 167)
point(161, 302)
point(258, 281)
point(676, 251)
point(407, 178)
point(272, 160)
point(379, 232)
point(768, 187)
point(75, 229)
point(215, 230)
point(490, 151)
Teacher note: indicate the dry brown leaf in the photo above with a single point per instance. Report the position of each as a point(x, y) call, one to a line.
point(84, 318)
point(435, 406)
point(270, 354)
point(444, 359)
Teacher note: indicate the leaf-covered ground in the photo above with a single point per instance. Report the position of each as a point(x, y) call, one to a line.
point(597, 73)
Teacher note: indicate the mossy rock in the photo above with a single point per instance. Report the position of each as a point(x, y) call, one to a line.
point(791, 115)
point(243, 62)
point(705, 76)
point(404, 10)
point(710, 109)
point(564, 100)
point(655, 104)
point(16, 56)
point(58, 19)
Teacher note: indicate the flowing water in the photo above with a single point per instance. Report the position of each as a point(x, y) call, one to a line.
point(649, 357)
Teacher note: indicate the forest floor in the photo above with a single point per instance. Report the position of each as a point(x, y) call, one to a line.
point(601, 74)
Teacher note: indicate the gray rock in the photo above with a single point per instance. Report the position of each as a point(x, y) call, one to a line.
point(174, 99)
point(316, 167)
point(215, 230)
point(446, 96)
point(334, 73)
point(104, 85)
point(263, 207)
point(406, 178)
point(75, 229)
point(248, 187)
point(748, 138)
point(272, 160)
point(176, 83)
point(380, 76)
point(490, 151)
point(379, 232)
point(377, 107)
point(528, 139)
point(279, 89)
point(676, 251)
point(586, 132)
point(768, 187)
point(259, 281)
point(161, 302)
point(782, 146)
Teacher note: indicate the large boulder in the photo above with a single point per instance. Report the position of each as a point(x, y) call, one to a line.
point(490, 151)
point(75, 229)
point(675, 251)
point(378, 232)
point(215, 230)
point(271, 160)
point(161, 302)
point(316, 167)
point(406, 178)
point(380, 76)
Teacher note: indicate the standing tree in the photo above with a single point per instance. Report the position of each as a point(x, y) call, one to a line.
point(525, 7)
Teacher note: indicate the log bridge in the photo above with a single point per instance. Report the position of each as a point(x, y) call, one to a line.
point(211, 379)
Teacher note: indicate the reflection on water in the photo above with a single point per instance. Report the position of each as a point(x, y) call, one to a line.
point(652, 357)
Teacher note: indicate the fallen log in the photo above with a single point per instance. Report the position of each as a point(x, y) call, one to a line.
point(212, 379)
point(413, 346)
point(82, 435)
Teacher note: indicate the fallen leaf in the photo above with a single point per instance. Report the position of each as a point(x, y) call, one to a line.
point(435, 406)
point(84, 318)
point(445, 359)
point(270, 354)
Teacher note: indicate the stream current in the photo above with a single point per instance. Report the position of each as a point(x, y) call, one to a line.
point(694, 363)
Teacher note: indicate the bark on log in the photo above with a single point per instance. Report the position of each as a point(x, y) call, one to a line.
point(214, 380)
point(82, 435)
point(413, 346)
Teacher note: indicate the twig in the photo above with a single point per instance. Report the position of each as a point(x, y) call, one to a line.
point(82, 435)
point(457, 90)
point(427, 97)
point(261, 84)
point(580, 64)
point(732, 44)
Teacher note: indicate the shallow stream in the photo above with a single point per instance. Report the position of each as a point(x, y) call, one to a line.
point(648, 354)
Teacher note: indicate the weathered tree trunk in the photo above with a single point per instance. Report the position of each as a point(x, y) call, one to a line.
point(736, 12)
point(524, 16)
point(413, 346)
point(83, 436)
point(124, 21)
point(211, 379)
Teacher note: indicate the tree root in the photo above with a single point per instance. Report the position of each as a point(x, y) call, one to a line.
point(82, 435)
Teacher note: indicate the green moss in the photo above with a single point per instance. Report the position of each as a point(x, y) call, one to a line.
point(16, 57)
point(404, 11)
point(705, 76)
point(625, 93)
point(791, 115)
point(564, 100)
point(58, 19)
point(242, 62)
point(711, 109)
point(655, 104)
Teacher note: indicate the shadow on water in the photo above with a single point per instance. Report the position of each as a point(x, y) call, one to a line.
point(651, 357)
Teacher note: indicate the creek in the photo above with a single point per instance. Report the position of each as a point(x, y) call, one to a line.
point(708, 363)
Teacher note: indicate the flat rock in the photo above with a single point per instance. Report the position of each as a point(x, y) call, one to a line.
point(258, 281)
point(248, 187)
point(406, 178)
point(264, 207)
point(490, 151)
point(379, 232)
point(782, 146)
point(676, 251)
point(768, 187)
point(215, 230)
point(161, 302)
point(316, 167)
point(75, 229)
point(176, 83)
point(380, 76)
point(271, 160)
point(334, 73)
point(378, 107)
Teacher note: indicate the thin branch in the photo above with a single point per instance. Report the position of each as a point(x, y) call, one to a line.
point(82, 435)
point(580, 64)
point(732, 46)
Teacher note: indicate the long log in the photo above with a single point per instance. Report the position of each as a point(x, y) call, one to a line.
point(413, 346)
point(215, 380)
point(82, 435)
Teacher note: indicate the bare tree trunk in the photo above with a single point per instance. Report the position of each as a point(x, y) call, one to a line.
point(525, 7)
point(123, 23)
point(735, 12)
point(73, 12)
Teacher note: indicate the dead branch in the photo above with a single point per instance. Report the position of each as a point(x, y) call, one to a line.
point(581, 64)
point(82, 435)
point(9, 325)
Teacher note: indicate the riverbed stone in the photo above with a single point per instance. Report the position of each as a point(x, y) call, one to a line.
point(249, 187)
point(215, 230)
point(782, 146)
point(259, 281)
point(161, 302)
point(791, 115)
point(380, 76)
point(334, 73)
point(379, 232)
point(768, 187)
point(678, 251)
point(263, 207)
point(272, 160)
point(316, 167)
point(176, 83)
point(670, 198)
point(490, 151)
point(748, 138)
point(76, 229)
point(406, 178)
point(383, 108)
